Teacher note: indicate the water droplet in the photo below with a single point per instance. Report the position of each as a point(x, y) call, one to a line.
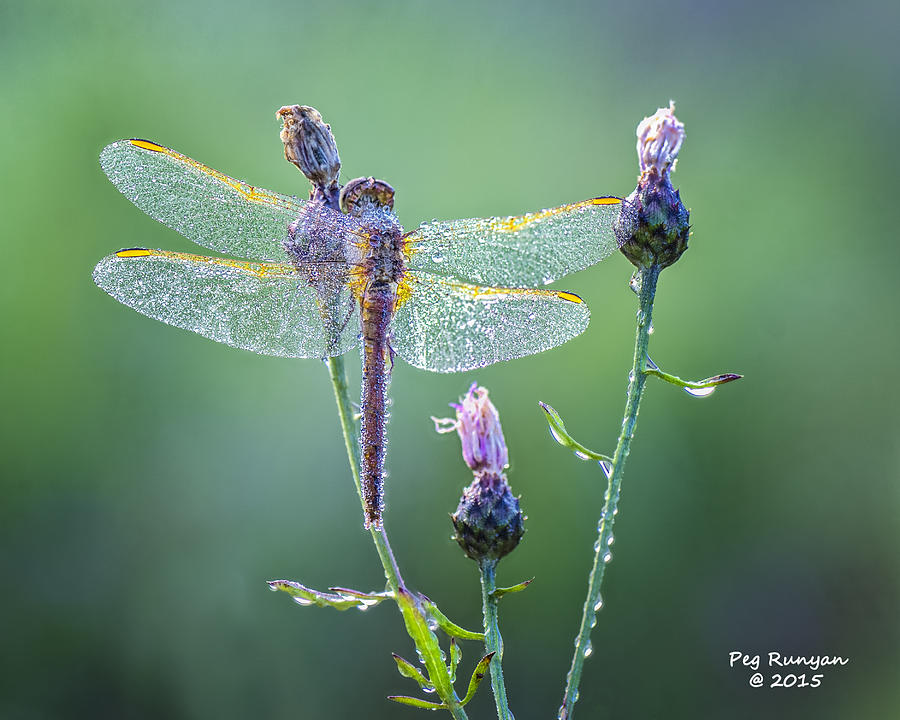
point(582, 455)
point(362, 607)
point(606, 468)
point(438, 257)
point(598, 606)
point(588, 650)
point(700, 392)
point(610, 540)
point(303, 601)
point(607, 556)
point(555, 435)
point(650, 329)
point(427, 689)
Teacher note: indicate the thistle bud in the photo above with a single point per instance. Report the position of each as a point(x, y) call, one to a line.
point(653, 225)
point(488, 521)
point(309, 144)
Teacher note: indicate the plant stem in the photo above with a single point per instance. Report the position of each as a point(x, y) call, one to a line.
point(338, 377)
point(636, 381)
point(413, 618)
point(492, 640)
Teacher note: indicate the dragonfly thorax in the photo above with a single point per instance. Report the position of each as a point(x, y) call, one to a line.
point(376, 251)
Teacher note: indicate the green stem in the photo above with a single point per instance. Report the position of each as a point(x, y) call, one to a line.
point(636, 381)
point(338, 376)
point(492, 640)
point(413, 618)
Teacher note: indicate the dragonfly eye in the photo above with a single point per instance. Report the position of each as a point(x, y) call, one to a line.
point(363, 192)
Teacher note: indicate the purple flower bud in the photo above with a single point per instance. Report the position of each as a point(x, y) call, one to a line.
point(489, 522)
point(654, 225)
point(478, 424)
point(659, 139)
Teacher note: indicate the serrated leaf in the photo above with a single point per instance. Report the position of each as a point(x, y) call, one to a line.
point(500, 592)
point(449, 627)
point(559, 433)
point(407, 669)
point(343, 600)
point(477, 677)
point(416, 702)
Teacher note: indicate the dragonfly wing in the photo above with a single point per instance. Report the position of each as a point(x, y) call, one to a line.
point(447, 326)
point(212, 209)
point(532, 249)
point(264, 307)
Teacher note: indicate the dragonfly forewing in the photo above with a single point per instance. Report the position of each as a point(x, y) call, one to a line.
point(449, 326)
point(206, 206)
point(532, 249)
point(267, 308)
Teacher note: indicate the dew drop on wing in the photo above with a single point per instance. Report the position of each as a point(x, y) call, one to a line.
point(700, 392)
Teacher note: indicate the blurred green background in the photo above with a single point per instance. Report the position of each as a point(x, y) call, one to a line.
point(152, 480)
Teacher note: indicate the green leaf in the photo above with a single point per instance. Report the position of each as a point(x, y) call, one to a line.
point(559, 433)
point(449, 627)
point(477, 677)
point(341, 600)
point(500, 592)
point(416, 702)
point(407, 669)
point(701, 388)
point(455, 657)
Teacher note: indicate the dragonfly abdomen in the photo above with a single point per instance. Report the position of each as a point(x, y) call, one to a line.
point(377, 310)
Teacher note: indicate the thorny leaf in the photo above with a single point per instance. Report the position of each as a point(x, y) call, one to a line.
point(559, 433)
point(477, 677)
point(416, 702)
point(500, 592)
point(407, 669)
point(343, 599)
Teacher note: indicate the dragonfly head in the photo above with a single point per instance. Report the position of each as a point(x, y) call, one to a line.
point(364, 192)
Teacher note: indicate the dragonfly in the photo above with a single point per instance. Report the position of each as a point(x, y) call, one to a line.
point(297, 279)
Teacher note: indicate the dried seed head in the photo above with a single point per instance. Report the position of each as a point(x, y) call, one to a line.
point(654, 225)
point(360, 192)
point(309, 144)
point(488, 522)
